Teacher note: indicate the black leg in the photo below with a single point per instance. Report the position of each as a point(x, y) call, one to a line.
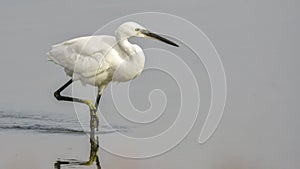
point(94, 117)
point(97, 100)
point(97, 104)
point(59, 97)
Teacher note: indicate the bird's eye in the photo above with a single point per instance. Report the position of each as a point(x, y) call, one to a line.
point(137, 29)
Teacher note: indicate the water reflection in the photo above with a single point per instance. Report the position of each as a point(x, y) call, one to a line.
point(93, 158)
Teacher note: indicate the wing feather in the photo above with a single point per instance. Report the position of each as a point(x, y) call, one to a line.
point(82, 55)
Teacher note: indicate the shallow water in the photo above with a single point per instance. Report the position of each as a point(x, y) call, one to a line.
point(48, 123)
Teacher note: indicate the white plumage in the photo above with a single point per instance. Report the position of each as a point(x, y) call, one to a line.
point(98, 60)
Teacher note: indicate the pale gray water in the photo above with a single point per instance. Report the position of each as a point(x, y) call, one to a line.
point(48, 123)
point(258, 42)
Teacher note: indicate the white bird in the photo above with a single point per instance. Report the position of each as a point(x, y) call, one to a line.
point(98, 60)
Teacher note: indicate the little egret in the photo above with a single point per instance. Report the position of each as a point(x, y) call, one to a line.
point(98, 60)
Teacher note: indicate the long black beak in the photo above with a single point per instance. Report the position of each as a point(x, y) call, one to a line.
point(157, 37)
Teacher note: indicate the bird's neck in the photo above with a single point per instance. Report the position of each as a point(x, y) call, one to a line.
point(134, 52)
point(132, 66)
point(126, 46)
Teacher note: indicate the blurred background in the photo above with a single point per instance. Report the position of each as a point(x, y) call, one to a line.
point(258, 45)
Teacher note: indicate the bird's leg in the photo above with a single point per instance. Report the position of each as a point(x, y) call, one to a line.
point(97, 100)
point(94, 122)
point(93, 111)
point(96, 106)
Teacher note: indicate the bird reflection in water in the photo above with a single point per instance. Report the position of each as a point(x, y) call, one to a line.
point(93, 159)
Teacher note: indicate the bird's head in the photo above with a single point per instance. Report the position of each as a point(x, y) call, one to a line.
point(130, 29)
